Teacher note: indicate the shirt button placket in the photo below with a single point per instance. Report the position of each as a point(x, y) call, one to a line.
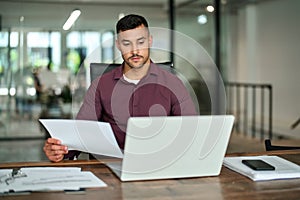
point(135, 100)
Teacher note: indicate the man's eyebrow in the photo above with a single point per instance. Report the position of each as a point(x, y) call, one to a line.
point(141, 38)
point(124, 40)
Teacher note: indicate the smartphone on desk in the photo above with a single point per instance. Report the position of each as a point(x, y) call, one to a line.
point(258, 165)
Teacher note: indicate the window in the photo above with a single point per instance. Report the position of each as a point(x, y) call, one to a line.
point(44, 49)
point(79, 46)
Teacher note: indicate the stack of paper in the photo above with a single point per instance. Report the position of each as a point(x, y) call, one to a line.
point(48, 179)
point(284, 169)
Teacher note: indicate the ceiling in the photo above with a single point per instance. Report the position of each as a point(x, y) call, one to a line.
point(96, 14)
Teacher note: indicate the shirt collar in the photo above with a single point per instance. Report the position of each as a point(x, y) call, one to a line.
point(119, 72)
point(153, 70)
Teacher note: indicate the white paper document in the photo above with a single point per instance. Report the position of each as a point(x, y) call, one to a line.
point(284, 169)
point(87, 136)
point(48, 179)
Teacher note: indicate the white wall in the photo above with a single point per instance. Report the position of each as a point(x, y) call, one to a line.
point(266, 50)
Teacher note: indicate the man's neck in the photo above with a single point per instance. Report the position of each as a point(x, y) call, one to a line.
point(136, 73)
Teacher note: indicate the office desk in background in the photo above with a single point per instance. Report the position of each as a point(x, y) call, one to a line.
point(229, 185)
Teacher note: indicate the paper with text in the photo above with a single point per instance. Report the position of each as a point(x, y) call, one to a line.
point(49, 179)
point(83, 135)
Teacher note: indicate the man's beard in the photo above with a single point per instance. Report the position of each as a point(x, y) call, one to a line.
point(133, 66)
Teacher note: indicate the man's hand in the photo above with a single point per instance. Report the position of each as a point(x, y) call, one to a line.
point(54, 150)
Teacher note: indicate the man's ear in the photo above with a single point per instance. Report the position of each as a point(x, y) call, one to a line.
point(150, 40)
point(117, 44)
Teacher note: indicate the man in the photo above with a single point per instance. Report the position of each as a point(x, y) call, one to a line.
point(137, 88)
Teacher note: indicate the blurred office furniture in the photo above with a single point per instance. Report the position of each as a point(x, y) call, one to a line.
point(246, 101)
point(270, 147)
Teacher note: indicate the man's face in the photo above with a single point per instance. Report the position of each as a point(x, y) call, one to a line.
point(134, 45)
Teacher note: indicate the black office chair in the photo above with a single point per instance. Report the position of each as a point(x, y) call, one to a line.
point(97, 69)
point(270, 147)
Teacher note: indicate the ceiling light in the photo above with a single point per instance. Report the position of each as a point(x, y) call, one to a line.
point(121, 15)
point(22, 18)
point(72, 18)
point(210, 8)
point(202, 19)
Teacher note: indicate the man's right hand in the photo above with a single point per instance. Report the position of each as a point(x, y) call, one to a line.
point(54, 150)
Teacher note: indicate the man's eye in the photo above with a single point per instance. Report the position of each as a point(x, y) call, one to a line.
point(126, 43)
point(141, 41)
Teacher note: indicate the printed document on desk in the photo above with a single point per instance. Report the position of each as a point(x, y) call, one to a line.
point(48, 179)
point(83, 135)
point(284, 169)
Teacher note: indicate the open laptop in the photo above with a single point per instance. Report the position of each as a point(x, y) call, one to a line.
point(173, 147)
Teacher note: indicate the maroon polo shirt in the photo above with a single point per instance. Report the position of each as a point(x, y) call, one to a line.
point(112, 99)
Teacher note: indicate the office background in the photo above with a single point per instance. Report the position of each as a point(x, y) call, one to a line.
point(252, 41)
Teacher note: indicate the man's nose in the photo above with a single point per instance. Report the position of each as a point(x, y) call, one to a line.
point(134, 49)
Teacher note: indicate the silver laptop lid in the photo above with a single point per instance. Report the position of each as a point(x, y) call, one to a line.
point(174, 147)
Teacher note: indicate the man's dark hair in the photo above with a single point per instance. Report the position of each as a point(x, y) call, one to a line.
point(130, 22)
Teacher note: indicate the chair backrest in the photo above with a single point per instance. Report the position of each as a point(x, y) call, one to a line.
point(97, 69)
